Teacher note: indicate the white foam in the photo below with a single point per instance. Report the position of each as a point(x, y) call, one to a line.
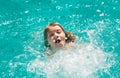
point(81, 62)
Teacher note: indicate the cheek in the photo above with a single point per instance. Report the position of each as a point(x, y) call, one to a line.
point(63, 35)
point(50, 40)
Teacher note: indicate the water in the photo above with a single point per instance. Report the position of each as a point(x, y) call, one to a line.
point(96, 23)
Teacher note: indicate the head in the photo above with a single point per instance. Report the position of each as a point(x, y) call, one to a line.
point(56, 37)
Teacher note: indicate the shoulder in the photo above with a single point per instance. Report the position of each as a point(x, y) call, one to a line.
point(76, 45)
point(71, 45)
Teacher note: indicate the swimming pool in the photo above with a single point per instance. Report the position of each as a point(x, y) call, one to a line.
point(95, 22)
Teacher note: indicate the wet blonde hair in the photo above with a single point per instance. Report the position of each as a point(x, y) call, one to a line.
point(69, 36)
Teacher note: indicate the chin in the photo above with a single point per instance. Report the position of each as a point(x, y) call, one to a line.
point(59, 46)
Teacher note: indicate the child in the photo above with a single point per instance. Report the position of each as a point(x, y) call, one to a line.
point(55, 37)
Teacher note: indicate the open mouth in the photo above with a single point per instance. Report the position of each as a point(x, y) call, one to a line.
point(57, 41)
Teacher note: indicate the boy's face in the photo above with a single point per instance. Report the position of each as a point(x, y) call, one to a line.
point(56, 37)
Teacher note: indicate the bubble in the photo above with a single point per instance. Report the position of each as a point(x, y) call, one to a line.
point(102, 14)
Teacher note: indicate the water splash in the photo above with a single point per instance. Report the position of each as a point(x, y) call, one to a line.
point(82, 62)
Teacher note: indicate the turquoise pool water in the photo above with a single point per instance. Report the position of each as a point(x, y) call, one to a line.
point(96, 23)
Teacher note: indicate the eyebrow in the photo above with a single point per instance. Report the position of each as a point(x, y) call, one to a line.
point(58, 29)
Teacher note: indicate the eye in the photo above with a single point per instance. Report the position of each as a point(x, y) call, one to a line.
point(52, 34)
point(58, 31)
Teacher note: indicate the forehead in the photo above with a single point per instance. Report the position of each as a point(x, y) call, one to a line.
point(53, 28)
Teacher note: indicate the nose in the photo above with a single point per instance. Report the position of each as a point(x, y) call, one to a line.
point(56, 35)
